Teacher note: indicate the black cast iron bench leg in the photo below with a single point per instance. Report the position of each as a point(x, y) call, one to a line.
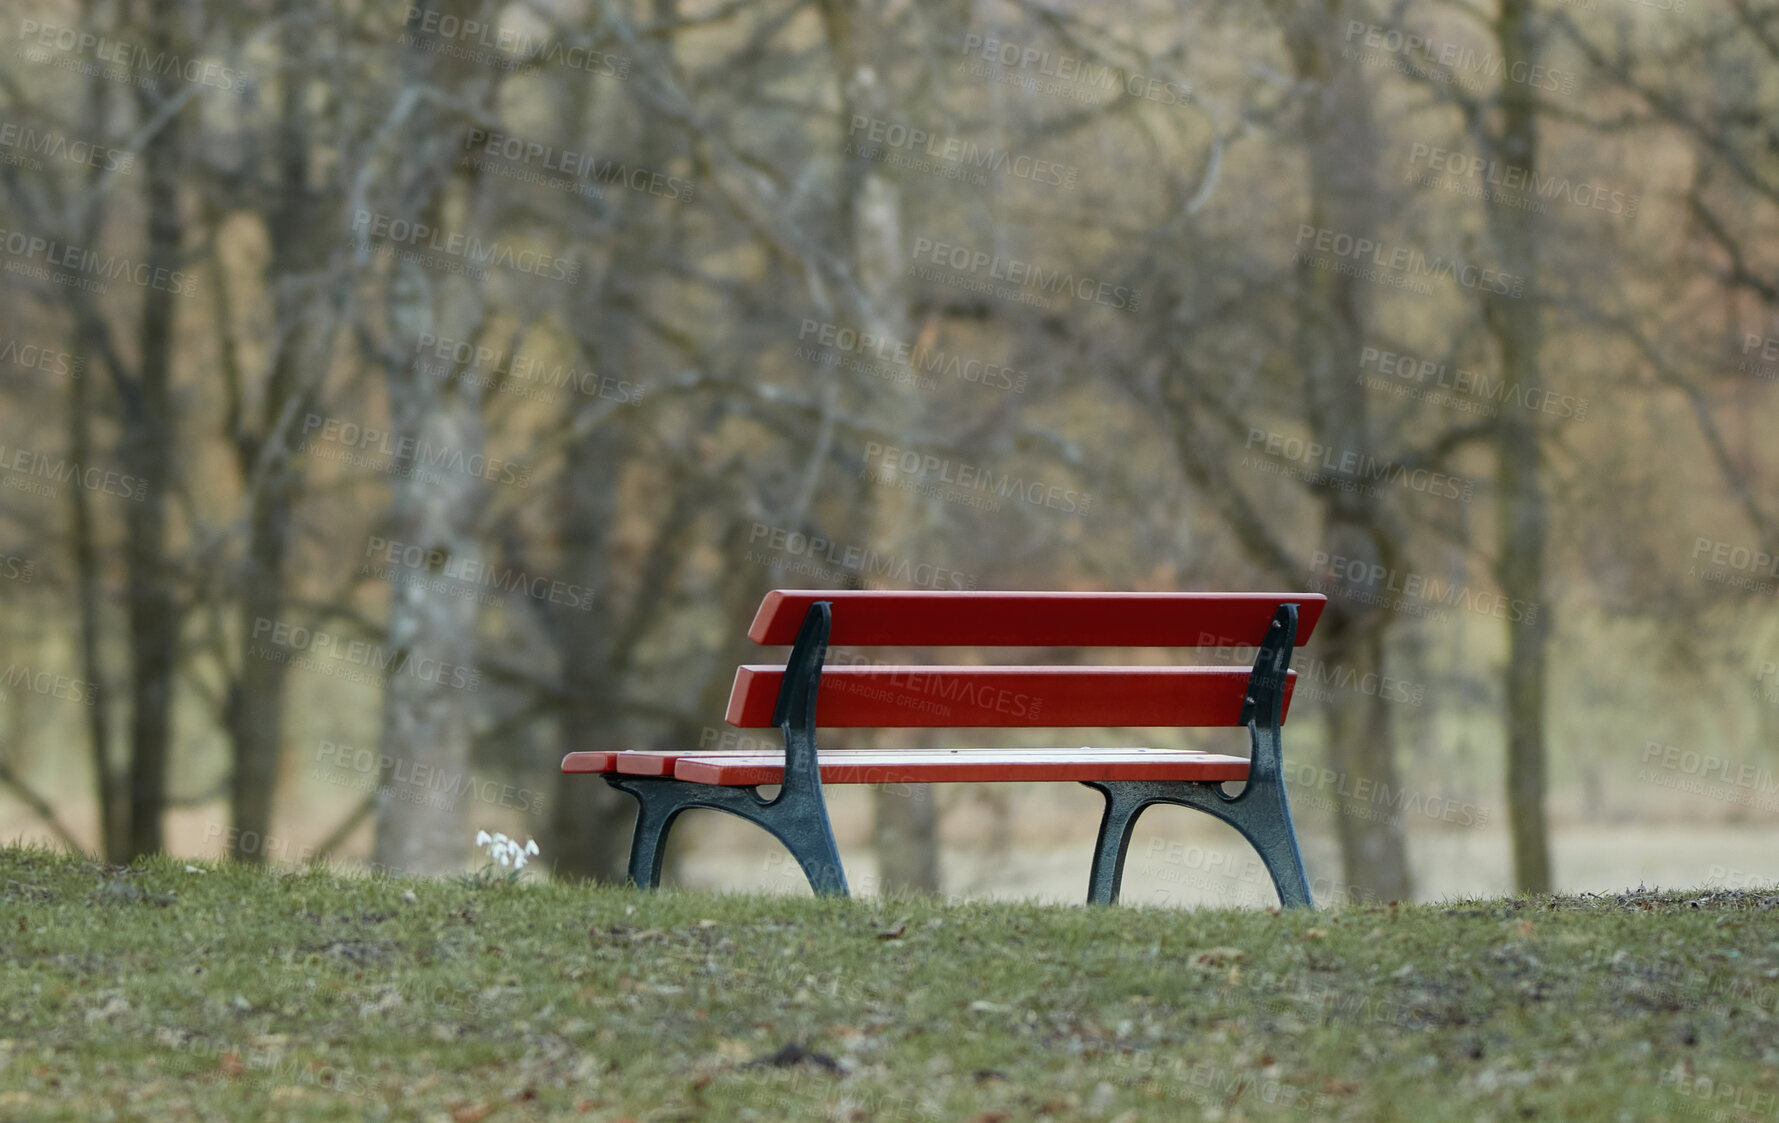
point(801, 824)
point(797, 816)
point(1260, 812)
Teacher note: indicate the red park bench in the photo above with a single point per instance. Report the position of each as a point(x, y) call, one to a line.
point(867, 696)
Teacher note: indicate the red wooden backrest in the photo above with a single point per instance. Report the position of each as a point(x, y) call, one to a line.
point(1007, 697)
point(972, 619)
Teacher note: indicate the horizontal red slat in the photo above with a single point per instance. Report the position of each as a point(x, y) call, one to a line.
point(1004, 697)
point(649, 762)
point(979, 766)
point(1012, 619)
point(589, 762)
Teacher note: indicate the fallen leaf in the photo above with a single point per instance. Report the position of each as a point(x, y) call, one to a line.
point(230, 1063)
point(472, 1113)
point(1216, 957)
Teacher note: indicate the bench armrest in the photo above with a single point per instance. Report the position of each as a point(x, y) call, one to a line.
point(1263, 709)
point(795, 712)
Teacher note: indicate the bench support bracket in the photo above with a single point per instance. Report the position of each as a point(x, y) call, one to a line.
point(797, 816)
point(1260, 811)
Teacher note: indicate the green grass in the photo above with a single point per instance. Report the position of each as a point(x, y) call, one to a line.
point(237, 993)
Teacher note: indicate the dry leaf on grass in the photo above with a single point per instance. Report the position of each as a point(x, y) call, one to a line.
point(1216, 957)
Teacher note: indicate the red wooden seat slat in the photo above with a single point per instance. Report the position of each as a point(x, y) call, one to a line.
point(1019, 619)
point(980, 766)
point(859, 697)
point(589, 762)
point(649, 762)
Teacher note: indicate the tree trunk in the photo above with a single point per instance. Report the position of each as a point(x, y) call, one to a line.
point(591, 821)
point(905, 831)
point(108, 778)
point(1343, 147)
point(431, 644)
point(1517, 327)
point(113, 797)
point(436, 505)
point(1373, 847)
point(149, 440)
point(269, 464)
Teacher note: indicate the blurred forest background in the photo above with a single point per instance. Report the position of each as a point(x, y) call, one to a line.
point(397, 396)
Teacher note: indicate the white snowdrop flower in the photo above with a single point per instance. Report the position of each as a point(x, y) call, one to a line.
point(507, 852)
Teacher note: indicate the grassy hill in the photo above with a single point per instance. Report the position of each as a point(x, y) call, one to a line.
point(179, 991)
